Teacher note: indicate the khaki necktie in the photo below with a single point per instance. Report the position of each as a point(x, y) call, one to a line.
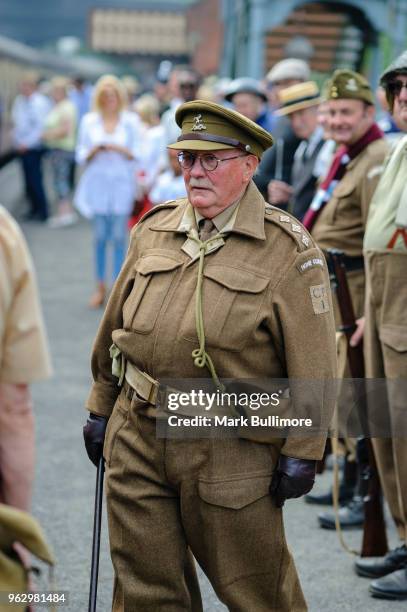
point(206, 227)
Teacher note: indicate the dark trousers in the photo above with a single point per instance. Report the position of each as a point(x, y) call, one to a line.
point(32, 167)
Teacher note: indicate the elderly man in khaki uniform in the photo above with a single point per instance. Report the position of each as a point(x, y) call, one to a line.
point(219, 285)
point(337, 218)
point(24, 358)
point(385, 335)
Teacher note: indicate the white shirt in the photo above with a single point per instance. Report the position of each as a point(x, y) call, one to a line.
point(167, 187)
point(28, 115)
point(153, 150)
point(108, 183)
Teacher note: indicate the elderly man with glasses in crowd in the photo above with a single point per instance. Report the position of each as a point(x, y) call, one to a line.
point(217, 286)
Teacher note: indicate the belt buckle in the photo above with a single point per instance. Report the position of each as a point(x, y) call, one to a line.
point(152, 395)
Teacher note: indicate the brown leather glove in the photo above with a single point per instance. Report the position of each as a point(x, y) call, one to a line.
point(94, 436)
point(292, 478)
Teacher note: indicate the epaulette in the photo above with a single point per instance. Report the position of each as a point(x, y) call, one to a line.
point(163, 206)
point(290, 225)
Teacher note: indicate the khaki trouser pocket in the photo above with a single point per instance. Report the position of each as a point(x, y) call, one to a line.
point(235, 493)
point(117, 420)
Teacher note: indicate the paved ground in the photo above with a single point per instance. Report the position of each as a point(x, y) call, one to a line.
point(64, 487)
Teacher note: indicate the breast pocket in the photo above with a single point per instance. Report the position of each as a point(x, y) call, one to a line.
point(154, 275)
point(231, 302)
point(343, 201)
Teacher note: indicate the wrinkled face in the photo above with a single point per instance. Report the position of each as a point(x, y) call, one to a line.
point(248, 105)
point(349, 120)
point(210, 192)
point(400, 103)
point(304, 122)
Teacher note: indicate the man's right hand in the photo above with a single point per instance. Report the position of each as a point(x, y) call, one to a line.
point(279, 192)
point(94, 436)
point(358, 334)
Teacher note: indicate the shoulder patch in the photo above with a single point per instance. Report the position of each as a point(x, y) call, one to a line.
point(319, 299)
point(290, 225)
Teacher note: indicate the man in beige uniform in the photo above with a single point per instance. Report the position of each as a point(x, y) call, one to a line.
point(247, 297)
point(24, 358)
point(385, 335)
point(338, 214)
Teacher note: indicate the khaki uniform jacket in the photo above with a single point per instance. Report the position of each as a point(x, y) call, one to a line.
point(341, 223)
point(24, 354)
point(266, 306)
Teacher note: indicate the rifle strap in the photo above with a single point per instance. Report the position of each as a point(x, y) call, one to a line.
point(341, 351)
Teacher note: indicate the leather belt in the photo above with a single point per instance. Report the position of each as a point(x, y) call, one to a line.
point(354, 263)
point(351, 263)
point(142, 383)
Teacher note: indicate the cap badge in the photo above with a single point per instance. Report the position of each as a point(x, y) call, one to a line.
point(351, 85)
point(334, 91)
point(198, 124)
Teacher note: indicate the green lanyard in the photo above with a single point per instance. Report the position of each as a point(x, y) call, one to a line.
point(200, 356)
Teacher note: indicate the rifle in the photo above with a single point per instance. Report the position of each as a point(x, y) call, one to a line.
point(374, 541)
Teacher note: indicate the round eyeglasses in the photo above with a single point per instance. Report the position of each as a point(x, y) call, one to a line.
point(208, 161)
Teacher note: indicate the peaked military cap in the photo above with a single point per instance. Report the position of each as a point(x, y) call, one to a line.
point(207, 126)
point(398, 66)
point(347, 84)
point(297, 97)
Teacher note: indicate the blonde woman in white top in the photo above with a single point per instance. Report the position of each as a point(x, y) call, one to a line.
point(108, 144)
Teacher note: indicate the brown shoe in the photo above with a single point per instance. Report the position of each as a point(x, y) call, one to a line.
point(98, 297)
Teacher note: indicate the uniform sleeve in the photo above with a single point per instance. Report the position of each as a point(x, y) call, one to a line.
point(105, 389)
point(24, 353)
point(303, 316)
point(369, 183)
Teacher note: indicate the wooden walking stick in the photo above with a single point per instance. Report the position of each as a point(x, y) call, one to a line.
point(97, 521)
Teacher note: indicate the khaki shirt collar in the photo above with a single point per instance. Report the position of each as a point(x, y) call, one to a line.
point(248, 217)
point(225, 220)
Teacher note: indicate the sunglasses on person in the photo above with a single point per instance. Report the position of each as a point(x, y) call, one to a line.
point(208, 161)
point(396, 86)
point(188, 85)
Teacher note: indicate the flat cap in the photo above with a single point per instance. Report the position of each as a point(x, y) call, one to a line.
point(245, 85)
point(290, 68)
point(398, 66)
point(347, 84)
point(298, 97)
point(207, 126)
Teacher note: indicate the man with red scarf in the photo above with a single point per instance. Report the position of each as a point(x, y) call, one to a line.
point(337, 218)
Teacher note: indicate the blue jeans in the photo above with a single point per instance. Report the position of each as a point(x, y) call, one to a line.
point(111, 228)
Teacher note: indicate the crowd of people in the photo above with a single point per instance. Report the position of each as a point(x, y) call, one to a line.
point(282, 164)
point(117, 134)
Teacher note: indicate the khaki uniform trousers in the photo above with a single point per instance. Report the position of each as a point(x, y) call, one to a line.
point(386, 357)
point(167, 498)
point(356, 282)
point(16, 446)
